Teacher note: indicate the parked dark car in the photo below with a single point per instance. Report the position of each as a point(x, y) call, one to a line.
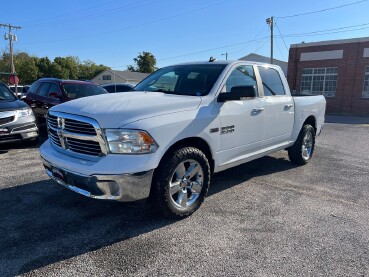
point(17, 121)
point(48, 92)
point(117, 87)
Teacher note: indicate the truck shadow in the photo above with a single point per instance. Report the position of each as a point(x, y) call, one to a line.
point(42, 223)
point(244, 172)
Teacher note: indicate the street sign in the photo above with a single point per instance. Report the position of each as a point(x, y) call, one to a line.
point(14, 80)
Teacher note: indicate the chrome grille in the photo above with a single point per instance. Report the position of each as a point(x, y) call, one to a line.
point(75, 133)
point(6, 120)
point(53, 136)
point(75, 126)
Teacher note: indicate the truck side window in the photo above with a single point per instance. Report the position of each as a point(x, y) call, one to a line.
point(242, 75)
point(272, 82)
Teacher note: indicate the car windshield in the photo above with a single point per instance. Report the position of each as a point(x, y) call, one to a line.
point(74, 91)
point(5, 94)
point(195, 80)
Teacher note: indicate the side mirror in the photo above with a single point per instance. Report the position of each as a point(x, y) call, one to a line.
point(54, 95)
point(238, 93)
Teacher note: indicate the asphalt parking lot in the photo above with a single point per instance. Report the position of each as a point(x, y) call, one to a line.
point(264, 218)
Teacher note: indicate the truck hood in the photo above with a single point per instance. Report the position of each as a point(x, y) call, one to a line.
point(117, 109)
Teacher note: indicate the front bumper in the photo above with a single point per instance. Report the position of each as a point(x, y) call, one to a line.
point(122, 187)
point(23, 128)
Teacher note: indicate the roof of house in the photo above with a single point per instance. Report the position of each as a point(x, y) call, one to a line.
point(126, 75)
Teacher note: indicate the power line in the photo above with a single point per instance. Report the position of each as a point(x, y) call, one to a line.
point(211, 49)
point(328, 30)
point(255, 38)
point(134, 26)
point(261, 45)
point(323, 10)
point(328, 33)
point(279, 31)
point(69, 13)
point(92, 15)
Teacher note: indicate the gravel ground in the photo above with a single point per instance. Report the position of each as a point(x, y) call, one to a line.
point(264, 218)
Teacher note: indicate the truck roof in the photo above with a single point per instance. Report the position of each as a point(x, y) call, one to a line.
point(228, 62)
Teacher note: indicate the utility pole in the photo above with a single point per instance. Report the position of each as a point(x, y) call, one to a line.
point(11, 37)
point(225, 54)
point(270, 22)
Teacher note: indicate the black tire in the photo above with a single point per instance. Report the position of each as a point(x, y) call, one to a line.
point(174, 205)
point(297, 153)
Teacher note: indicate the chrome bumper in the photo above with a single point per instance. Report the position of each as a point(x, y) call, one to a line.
point(123, 187)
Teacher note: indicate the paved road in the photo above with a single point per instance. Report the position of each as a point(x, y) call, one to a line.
point(264, 218)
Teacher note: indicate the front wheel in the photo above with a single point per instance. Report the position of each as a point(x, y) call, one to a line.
point(302, 150)
point(182, 183)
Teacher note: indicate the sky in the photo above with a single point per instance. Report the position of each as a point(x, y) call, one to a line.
point(113, 32)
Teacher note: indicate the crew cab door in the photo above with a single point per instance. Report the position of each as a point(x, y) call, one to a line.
point(278, 105)
point(241, 122)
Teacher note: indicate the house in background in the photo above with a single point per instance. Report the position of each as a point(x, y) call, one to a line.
point(337, 69)
point(119, 76)
point(262, 59)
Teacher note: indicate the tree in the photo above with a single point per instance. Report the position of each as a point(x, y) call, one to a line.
point(31, 68)
point(57, 71)
point(88, 69)
point(44, 67)
point(70, 66)
point(145, 62)
point(27, 70)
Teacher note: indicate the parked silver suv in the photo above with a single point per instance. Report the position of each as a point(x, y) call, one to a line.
point(17, 122)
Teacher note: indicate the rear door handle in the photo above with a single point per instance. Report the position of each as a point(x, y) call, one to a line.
point(257, 110)
point(288, 106)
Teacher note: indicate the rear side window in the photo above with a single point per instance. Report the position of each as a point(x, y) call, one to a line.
point(54, 88)
point(34, 87)
point(272, 82)
point(121, 88)
point(44, 90)
point(109, 88)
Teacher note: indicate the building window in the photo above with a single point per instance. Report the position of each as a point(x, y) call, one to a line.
point(319, 81)
point(106, 77)
point(366, 83)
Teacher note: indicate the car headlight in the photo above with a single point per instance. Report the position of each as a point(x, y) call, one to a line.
point(125, 141)
point(24, 112)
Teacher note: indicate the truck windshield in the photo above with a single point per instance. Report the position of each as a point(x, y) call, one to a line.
point(75, 91)
point(5, 94)
point(195, 80)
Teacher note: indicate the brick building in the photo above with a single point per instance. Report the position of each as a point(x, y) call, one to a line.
point(338, 69)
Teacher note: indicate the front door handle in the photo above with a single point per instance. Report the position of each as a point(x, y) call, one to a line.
point(257, 110)
point(288, 106)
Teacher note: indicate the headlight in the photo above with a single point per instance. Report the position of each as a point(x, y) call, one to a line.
point(24, 112)
point(125, 141)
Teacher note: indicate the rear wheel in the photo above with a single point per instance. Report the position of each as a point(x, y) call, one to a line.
point(182, 183)
point(303, 148)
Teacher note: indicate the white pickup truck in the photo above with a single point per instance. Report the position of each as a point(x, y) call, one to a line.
point(183, 123)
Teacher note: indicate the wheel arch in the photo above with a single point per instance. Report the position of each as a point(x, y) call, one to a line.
point(196, 142)
point(311, 120)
